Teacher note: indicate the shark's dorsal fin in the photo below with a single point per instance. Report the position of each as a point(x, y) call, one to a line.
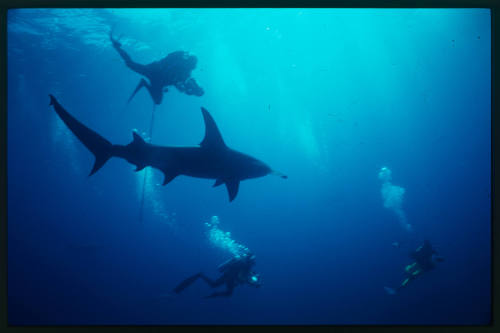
point(232, 188)
point(212, 138)
point(137, 139)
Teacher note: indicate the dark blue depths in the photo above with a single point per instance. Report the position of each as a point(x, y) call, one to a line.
point(328, 97)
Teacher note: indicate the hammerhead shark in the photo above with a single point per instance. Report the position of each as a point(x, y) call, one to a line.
point(212, 159)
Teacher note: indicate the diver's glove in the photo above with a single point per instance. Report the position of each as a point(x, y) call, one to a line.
point(115, 42)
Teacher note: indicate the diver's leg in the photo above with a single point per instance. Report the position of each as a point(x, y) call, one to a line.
point(410, 267)
point(393, 291)
point(186, 283)
point(149, 87)
point(403, 284)
point(411, 277)
point(212, 283)
point(410, 271)
point(142, 83)
point(228, 292)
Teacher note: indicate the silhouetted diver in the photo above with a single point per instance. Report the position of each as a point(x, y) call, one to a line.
point(212, 159)
point(426, 258)
point(235, 271)
point(173, 70)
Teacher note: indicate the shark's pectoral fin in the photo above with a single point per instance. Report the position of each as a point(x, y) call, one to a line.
point(169, 176)
point(232, 188)
point(100, 160)
point(218, 182)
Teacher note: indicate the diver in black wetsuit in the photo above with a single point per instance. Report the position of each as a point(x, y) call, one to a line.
point(425, 257)
point(235, 271)
point(173, 70)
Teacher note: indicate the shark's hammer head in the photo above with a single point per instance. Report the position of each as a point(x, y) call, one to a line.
point(243, 166)
point(256, 168)
point(247, 167)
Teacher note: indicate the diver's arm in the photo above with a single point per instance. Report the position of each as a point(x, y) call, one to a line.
point(180, 86)
point(193, 88)
point(115, 42)
point(189, 87)
point(138, 68)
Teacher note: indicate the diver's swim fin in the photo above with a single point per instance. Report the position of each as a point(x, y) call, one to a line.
point(141, 84)
point(186, 283)
point(390, 291)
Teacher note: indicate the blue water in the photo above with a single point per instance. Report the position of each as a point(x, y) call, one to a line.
point(327, 97)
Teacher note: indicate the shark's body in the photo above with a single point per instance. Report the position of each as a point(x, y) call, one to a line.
point(211, 159)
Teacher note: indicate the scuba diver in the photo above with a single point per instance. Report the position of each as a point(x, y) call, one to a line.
point(235, 271)
point(173, 70)
point(425, 257)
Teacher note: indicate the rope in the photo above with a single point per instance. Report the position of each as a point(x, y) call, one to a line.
point(146, 170)
point(151, 125)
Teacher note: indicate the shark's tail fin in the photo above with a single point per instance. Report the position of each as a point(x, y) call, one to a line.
point(99, 146)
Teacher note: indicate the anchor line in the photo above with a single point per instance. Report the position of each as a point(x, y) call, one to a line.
point(141, 218)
